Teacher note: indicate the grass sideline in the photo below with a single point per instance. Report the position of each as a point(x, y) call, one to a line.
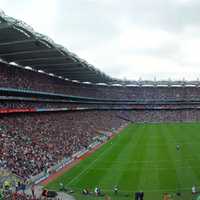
point(141, 157)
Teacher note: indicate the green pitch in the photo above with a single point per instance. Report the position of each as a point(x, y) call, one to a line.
point(142, 157)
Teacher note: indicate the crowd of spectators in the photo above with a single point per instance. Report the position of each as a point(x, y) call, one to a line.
point(15, 77)
point(31, 143)
point(157, 116)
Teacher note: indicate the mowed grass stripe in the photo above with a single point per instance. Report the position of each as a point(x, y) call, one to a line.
point(151, 180)
point(169, 179)
point(142, 157)
point(185, 176)
point(131, 154)
point(188, 175)
point(117, 171)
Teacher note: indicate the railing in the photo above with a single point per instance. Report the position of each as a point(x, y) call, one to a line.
point(66, 161)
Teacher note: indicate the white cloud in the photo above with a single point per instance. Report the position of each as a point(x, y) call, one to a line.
point(184, 1)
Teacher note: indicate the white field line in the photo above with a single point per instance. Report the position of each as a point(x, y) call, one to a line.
point(89, 166)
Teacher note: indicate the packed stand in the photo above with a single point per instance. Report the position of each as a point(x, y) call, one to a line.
point(157, 116)
point(15, 77)
point(31, 143)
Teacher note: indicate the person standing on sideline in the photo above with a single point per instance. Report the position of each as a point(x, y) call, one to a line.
point(193, 189)
point(141, 195)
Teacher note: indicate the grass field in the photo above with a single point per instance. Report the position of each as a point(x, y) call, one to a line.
point(141, 157)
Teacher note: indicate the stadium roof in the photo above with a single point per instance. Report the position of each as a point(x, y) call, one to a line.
point(20, 44)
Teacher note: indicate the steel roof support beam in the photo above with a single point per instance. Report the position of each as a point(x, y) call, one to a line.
point(28, 52)
point(6, 25)
point(2, 19)
point(71, 72)
point(52, 70)
point(17, 42)
point(42, 59)
point(58, 66)
point(43, 66)
point(76, 74)
point(67, 71)
point(87, 78)
point(66, 68)
point(80, 75)
point(84, 74)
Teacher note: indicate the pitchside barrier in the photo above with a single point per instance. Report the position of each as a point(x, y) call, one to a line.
point(66, 161)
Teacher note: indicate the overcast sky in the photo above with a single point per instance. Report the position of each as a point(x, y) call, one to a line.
point(124, 38)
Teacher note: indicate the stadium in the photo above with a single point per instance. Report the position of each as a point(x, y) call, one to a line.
point(70, 131)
